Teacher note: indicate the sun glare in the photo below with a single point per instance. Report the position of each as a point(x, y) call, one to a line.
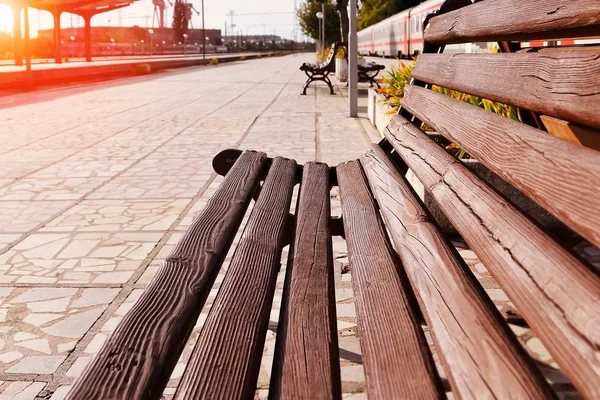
point(6, 18)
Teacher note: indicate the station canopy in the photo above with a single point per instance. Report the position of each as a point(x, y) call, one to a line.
point(80, 7)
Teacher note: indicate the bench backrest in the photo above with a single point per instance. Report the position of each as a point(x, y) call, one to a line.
point(557, 294)
point(330, 61)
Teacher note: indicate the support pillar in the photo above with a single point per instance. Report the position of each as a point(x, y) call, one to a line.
point(352, 63)
point(26, 43)
point(17, 40)
point(57, 39)
point(87, 19)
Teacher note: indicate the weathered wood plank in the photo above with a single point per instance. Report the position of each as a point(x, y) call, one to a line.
point(515, 20)
point(557, 295)
point(137, 360)
point(562, 177)
point(572, 132)
point(468, 330)
point(226, 359)
point(564, 85)
point(395, 355)
point(306, 362)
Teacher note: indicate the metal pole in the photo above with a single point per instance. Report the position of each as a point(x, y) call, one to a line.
point(203, 34)
point(18, 43)
point(323, 11)
point(26, 42)
point(352, 63)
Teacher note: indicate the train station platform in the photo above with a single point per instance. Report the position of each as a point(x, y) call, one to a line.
point(41, 73)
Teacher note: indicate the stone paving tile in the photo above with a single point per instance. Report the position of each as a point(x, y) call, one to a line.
point(170, 167)
point(22, 216)
point(6, 239)
point(49, 189)
point(109, 258)
point(24, 154)
point(133, 151)
point(41, 326)
point(4, 182)
point(20, 390)
point(76, 169)
point(19, 169)
point(118, 215)
point(151, 187)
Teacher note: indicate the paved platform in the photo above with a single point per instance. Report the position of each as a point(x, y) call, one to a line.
point(99, 182)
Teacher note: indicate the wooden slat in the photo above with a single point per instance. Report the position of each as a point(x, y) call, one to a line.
point(564, 85)
point(506, 20)
point(557, 295)
point(137, 360)
point(226, 359)
point(562, 177)
point(395, 354)
point(468, 330)
point(306, 362)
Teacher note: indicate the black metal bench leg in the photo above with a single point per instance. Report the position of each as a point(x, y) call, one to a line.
point(328, 82)
point(308, 81)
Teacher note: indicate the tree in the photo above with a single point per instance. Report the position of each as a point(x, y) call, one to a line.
point(342, 9)
point(309, 23)
point(373, 11)
point(181, 19)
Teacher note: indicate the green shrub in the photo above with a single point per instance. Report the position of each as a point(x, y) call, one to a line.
point(214, 61)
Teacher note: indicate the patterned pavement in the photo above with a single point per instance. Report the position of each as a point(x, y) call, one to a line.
point(98, 185)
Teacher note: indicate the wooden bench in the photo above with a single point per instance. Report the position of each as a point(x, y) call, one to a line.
point(396, 251)
point(320, 72)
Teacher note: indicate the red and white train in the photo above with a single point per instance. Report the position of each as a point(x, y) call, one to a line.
point(401, 36)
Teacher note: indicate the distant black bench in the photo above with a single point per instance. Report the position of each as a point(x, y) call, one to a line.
point(368, 72)
point(320, 72)
point(396, 251)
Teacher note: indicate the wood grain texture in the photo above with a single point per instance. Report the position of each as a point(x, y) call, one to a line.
point(562, 177)
point(226, 359)
point(481, 355)
point(306, 362)
point(507, 20)
point(395, 355)
point(557, 295)
point(564, 85)
point(138, 358)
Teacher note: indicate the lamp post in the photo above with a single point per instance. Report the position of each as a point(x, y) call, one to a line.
point(143, 51)
point(207, 40)
point(203, 34)
point(321, 17)
point(72, 39)
point(185, 36)
point(151, 32)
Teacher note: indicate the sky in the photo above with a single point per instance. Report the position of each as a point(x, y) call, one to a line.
point(268, 17)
